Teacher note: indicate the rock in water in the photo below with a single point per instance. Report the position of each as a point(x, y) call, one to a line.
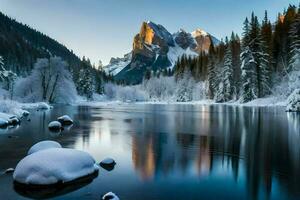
point(9, 170)
point(65, 120)
point(13, 121)
point(108, 164)
point(294, 102)
point(26, 113)
point(55, 126)
point(110, 196)
point(3, 123)
point(47, 144)
point(53, 166)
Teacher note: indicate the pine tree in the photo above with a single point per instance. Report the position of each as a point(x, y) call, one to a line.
point(226, 87)
point(85, 83)
point(247, 67)
point(7, 78)
point(212, 73)
point(294, 53)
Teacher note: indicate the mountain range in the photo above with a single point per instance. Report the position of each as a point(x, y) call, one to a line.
point(155, 48)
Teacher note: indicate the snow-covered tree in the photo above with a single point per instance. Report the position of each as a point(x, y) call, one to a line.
point(294, 36)
point(212, 77)
point(49, 81)
point(85, 83)
point(7, 78)
point(184, 88)
point(226, 88)
point(248, 74)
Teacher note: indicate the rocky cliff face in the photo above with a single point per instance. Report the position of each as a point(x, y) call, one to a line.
point(155, 48)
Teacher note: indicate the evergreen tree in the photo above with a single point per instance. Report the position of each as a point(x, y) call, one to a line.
point(85, 83)
point(212, 79)
point(248, 67)
point(7, 78)
point(294, 53)
point(226, 87)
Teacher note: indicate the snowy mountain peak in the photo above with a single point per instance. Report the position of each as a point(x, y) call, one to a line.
point(199, 32)
point(155, 48)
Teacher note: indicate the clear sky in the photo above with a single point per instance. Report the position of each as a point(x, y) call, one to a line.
point(101, 29)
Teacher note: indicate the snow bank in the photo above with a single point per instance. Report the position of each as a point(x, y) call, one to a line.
point(55, 165)
point(38, 106)
point(65, 120)
point(47, 144)
point(293, 104)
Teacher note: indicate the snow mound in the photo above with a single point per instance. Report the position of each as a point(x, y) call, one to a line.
point(110, 196)
point(38, 106)
point(55, 125)
point(55, 165)
point(293, 104)
point(65, 120)
point(47, 144)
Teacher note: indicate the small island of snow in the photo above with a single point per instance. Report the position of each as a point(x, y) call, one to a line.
point(54, 165)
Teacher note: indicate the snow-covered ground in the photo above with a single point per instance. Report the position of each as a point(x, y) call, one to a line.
point(262, 102)
point(12, 109)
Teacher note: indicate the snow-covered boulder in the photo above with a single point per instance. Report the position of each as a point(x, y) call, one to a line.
point(293, 104)
point(9, 170)
point(55, 165)
point(47, 144)
point(65, 120)
point(110, 196)
point(55, 126)
point(25, 113)
point(14, 121)
point(3, 123)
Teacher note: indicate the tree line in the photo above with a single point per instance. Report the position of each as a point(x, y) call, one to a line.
point(248, 68)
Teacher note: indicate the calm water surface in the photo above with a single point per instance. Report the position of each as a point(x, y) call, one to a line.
point(169, 151)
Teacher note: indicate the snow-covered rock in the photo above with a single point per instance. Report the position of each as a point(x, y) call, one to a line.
point(13, 120)
point(55, 126)
point(110, 196)
point(293, 104)
point(108, 161)
point(55, 165)
point(9, 170)
point(38, 106)
point(3, 123)
point(65, 120)
point(47, 144)
point(25, 113)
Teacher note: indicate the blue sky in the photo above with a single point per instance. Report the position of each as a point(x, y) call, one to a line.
point(101, 29)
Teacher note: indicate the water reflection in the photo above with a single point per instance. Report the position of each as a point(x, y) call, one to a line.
point(240, 152)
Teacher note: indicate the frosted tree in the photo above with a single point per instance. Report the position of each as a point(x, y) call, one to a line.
point(185, 87)
point(264, 71)
point(294, 36)
point(85, 83)
point(212, 78)
point(226, 87)
point(7, 78)
point(49, 81)
point(248, 75)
